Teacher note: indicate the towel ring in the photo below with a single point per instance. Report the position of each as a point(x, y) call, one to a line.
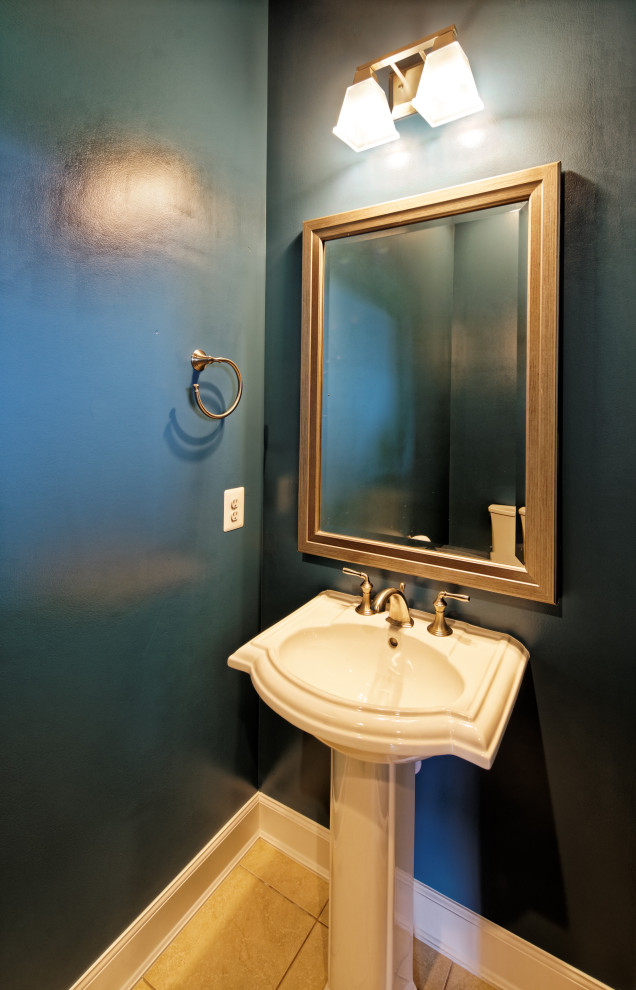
point(200, 360)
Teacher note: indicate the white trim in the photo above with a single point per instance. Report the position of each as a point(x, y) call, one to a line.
point(298, 837)
point(128, 958)
point(488, 951)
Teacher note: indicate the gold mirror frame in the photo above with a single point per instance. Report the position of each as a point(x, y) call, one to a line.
point(535, 580)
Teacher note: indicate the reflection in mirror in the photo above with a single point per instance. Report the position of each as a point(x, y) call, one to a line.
point(428, 422)
point(423, 384)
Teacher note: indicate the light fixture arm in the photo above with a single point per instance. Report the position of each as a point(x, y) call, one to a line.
point(403, 82)
point(437, 40)
point(398, 72)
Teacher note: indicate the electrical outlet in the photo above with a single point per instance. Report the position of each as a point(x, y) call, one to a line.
point(233, 508)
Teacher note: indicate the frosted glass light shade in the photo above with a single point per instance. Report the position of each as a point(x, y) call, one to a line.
point(447, 89)
point(365, 119)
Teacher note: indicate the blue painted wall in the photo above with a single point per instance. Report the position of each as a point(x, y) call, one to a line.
point(132, 187)
point(544, 843)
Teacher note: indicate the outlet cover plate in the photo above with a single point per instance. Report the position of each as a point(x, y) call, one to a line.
point(233, 508)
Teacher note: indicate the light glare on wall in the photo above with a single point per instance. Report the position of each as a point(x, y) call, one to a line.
point(432, 77)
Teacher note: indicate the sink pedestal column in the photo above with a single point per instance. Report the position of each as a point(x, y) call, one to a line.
point(371, 897)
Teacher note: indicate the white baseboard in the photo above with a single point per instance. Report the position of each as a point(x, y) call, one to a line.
point(295, 835)
point(128, 958)
point(490, 952)
point(131, 954)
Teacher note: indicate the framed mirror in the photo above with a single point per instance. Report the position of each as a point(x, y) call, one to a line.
point(429, 381)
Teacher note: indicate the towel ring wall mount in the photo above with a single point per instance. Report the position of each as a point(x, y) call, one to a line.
point(201, 360)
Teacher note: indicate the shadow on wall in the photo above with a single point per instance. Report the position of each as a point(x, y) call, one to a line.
point(298, 766)
point(520, 863)
point(471, 826)
point(186, 445)
point(284, 350)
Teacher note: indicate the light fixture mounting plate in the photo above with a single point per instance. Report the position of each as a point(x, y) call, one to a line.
point(403, 87)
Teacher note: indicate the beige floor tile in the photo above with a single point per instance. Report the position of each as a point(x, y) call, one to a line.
point(309, 969)
point(461, 979)
point(324, 915)
point(142, 985)
point(299, 884)
point(430, 969)
point(244, 935)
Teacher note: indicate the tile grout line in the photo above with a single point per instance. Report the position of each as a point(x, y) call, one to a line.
point(290, 899)
point(264, 883)
point(315, 921)
point(300, 949)
point(300, 907)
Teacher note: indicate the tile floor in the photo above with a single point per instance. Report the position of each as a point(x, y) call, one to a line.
point(265, 928)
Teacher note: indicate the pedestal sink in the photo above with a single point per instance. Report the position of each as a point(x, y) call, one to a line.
point(381, 698)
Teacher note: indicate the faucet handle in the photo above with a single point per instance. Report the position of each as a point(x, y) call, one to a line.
point(451, 594)
point(360, 574)
point(439, 625)
point(364, 608)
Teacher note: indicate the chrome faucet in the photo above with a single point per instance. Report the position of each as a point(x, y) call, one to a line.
point(399, 614)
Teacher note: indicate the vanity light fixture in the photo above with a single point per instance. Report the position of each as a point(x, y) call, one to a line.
point(365, 119)
point(431, 77)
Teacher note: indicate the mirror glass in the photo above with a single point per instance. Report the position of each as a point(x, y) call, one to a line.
point(428, 416)
point(424, 382)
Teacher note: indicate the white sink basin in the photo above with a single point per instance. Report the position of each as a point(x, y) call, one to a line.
point(382, 694)
point(370, 666)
